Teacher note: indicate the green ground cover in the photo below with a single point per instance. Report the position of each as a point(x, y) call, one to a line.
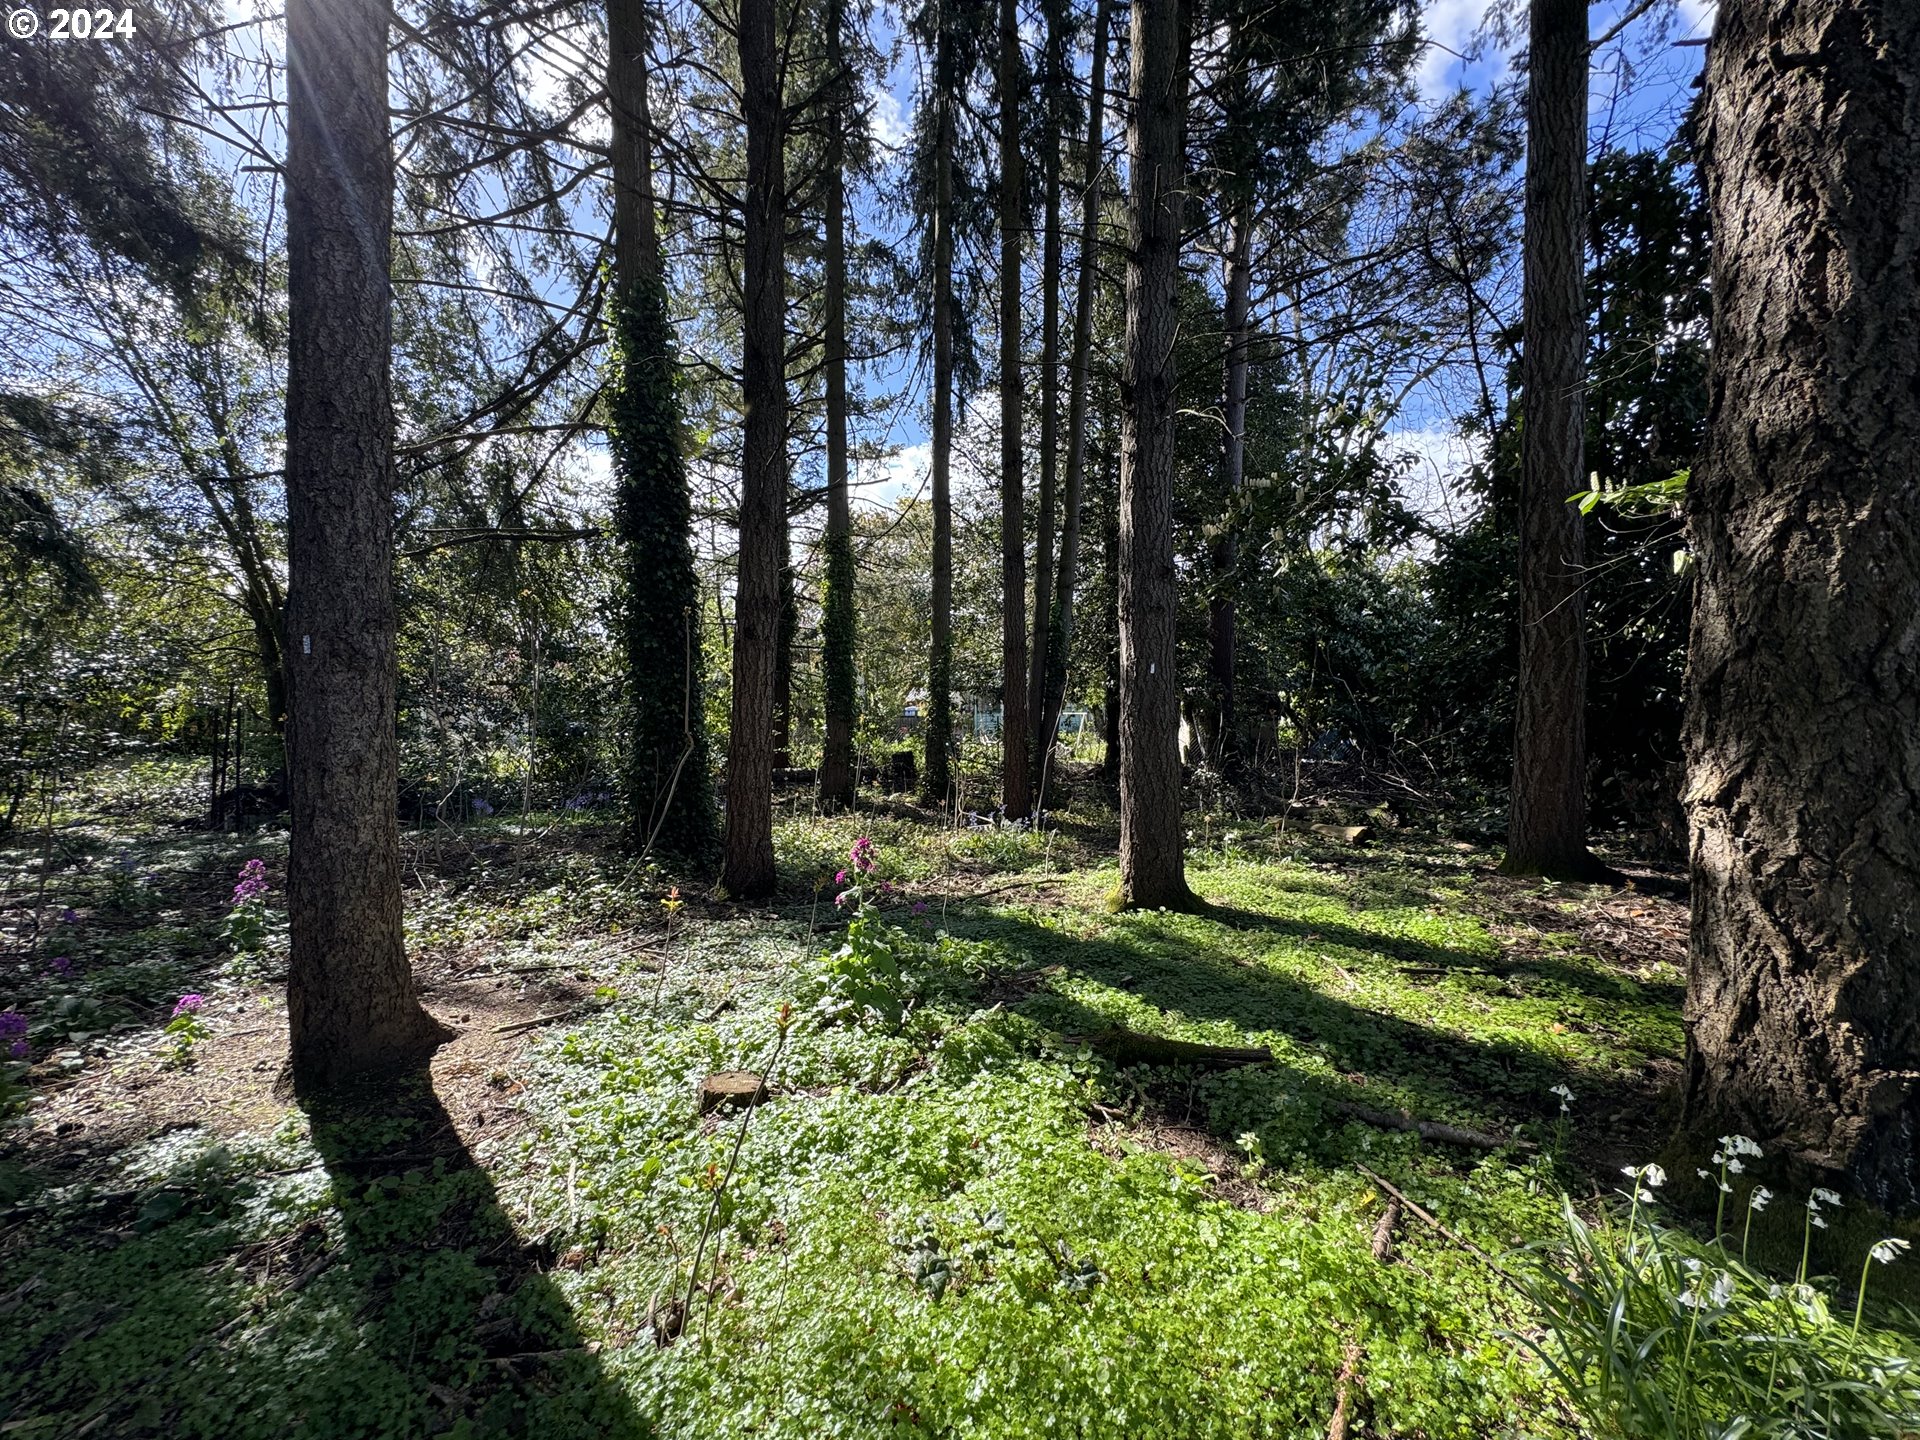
point(953, 1217)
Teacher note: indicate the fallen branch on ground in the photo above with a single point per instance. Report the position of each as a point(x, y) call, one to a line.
point(1383, 1232)
point(1129, 1047)
point(1425, 1129)
point(1460, 1240)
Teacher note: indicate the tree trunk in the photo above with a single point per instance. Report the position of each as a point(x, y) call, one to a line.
point(1221, 614)
point(1016, 790)
point(1547, 816)
point(351, 1006)
point(748, 871)
point(1152, 868)
point(1053, 82)
point(783, 637)
point(837, 617)
point(669, 797)
point(1061, 640)
point(939, 736)
point(1803, 713)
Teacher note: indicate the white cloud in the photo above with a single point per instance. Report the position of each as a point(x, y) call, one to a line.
point(884, 482)
point(1437, 460)
point(887, 117)
point(1449, 26)
point(1697, 16)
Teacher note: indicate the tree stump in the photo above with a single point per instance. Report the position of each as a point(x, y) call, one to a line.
point(731, 1090)
point(1345, 834)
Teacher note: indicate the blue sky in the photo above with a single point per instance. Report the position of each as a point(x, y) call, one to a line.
point(1639, 85)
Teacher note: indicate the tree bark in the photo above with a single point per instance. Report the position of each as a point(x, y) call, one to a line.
point(668, 792)
point(1016, 790)
point(351, 1005)
point(748, 870)
point(1547, 815)
point(1060, 642)
point(1152, 867)
point(939, 736)
point(838, 618)
point(1221, 614)
point(1803, 718)
point(1053, 82)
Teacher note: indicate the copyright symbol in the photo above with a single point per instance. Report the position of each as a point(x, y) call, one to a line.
point(22, 24)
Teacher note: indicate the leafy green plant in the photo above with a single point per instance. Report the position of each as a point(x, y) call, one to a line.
point(247, 911)
point(185, 1030)
point(1656, 1336)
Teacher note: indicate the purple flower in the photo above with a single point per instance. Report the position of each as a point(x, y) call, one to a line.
point(841, 878)
point(188, 1004)
point(13, 1031)
point(919, 907)
point(253, 882)
point(481, 806)
point(863, 856)
point(67, 917)
point(61, 965)
point(886, 887)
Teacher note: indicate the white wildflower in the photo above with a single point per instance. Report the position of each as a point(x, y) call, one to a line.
point(1818, 1223)
point(1825, 1197)
point(1653, 1175)
point(1739, 1145)
point(1889, 1250)
point(1761, 1195)
point(1566, 1095)
point(1734, 1165)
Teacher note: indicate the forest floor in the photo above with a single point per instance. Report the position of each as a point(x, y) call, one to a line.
point(954, 1216)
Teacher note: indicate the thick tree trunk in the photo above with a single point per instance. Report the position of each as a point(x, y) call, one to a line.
point(1152, 867)
point(1803, 720)
point(669, 797)
point(351, 1005)
point(1547, 817)
point(1053, 81)
point(748, 872)
point(1060, 643)
point(939, 736)
point(837, 618)
point(1016, 789)
point(1221, 615)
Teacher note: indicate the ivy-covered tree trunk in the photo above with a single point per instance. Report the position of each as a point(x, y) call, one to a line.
point(1803, 705)
point(351, 1006)
point(748, 871)
point(1152, 863)
point(1053, 82)
point(1067, 578)
point(939, 736)
point(1222, 615)
point(837, 613)
point(668, 793)
point(1547, 816)
point(784, 635)
point(1016, 788)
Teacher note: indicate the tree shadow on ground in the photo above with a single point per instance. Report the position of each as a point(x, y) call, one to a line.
point(1491, 1082)
point(380, 1292)
point(1412, 953)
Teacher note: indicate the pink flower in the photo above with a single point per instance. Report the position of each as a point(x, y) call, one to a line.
point(841, 878)
point(862, 856)
point(843, 898)
point(187, 1005)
